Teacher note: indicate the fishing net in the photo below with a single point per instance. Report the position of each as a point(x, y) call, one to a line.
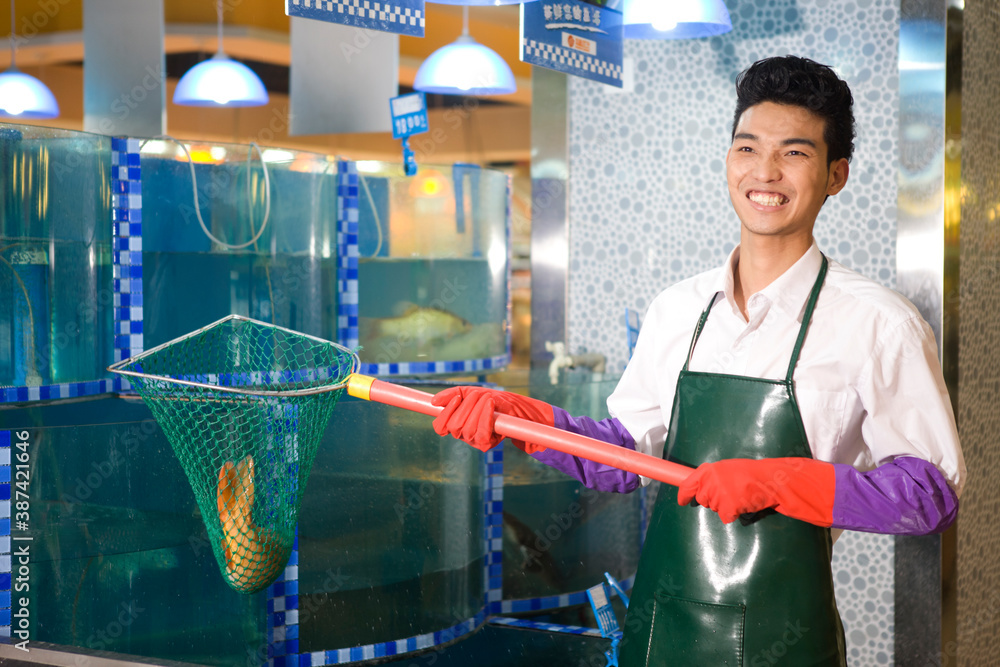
point(244, 405)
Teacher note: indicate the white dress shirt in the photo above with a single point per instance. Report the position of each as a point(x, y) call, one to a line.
point(868, 381)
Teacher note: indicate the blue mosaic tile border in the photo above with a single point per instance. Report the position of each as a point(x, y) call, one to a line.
point(553, 601)
point(548, 627)
point(5, 549)
point(426, 367)
point(52, 391)
point(126, 238)
point(493, 528)
point(387, 649)
point(347, 254)
point(283, 614)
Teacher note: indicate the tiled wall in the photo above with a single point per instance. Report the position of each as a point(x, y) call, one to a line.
point(649, 205)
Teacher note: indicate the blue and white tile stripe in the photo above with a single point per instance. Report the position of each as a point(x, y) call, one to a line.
point(283, 614)
point(126, 239)
point(404, 17)
point(553, 601)
point(570, 60)
point(347, 254)
point(436, 367)
point(53, 391)
point(5, 549)
point(547, 627)
point(493, 528)
point(399, 647)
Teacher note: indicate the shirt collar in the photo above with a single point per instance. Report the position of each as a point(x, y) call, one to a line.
point(789, 291)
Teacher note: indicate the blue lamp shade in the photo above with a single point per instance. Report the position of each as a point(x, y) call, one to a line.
point(24, 96)
point(220, 82)
point(656, 19)
point(465, 67)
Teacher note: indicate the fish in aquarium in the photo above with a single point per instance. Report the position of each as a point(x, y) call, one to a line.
point(423, 325)
point(419, 332)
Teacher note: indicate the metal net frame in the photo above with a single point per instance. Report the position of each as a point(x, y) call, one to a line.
point(244, 405)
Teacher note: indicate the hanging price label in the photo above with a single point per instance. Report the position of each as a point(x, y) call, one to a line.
point(409, 115)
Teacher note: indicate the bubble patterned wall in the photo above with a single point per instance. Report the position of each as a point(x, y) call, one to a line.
point(649, 204)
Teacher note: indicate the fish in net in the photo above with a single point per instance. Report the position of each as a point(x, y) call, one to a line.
point(244, 405)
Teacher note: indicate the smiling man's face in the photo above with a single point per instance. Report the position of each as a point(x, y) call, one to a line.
point(777, 172)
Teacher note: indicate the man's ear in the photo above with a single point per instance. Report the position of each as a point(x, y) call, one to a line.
point(838, 173)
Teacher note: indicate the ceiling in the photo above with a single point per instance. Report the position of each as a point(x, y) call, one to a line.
point(50, 32)
point(50, 46)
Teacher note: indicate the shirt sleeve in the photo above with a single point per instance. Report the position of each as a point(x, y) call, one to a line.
point(907, 408)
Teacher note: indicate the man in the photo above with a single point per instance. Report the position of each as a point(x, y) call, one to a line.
point(792, 384)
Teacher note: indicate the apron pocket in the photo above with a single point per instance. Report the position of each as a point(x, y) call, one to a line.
point(695, 633)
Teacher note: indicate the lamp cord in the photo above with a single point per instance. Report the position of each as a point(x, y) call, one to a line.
point(218, 7)
point(465, 20)
point(13, 41)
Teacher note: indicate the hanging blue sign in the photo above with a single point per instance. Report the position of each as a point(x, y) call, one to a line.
point(574, 37)
point(409, 115)
point(405, 17)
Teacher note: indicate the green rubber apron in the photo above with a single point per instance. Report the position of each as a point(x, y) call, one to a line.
point(756, 592)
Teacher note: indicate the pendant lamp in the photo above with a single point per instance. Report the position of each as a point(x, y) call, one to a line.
point(465, 67)
point(22, 95)
point(220, 82)
point(675, 19)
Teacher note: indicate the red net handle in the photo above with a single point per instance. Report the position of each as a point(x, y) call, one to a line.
point(370, 389)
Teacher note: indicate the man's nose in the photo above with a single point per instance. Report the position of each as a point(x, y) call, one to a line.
point(767, 170)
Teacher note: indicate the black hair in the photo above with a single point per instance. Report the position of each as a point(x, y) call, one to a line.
point(803, 83)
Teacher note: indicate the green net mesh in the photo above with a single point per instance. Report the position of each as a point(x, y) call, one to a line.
point(244, 405)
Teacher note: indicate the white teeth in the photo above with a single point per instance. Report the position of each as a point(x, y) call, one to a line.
point(767, 200)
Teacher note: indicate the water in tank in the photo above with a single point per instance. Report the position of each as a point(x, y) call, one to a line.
point(56, 301)
point(237, 229)
point(432, 265)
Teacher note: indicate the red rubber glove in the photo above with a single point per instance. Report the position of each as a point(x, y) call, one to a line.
point(797, 487)
point(470, 414)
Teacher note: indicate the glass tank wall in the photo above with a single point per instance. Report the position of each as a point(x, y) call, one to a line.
point(433, 265)
point(390, 531)
point(559, 536)
point(56, 302)
point(230, 229)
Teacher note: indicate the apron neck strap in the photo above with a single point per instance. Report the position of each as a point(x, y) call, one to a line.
point(806, 318)
point(697, 329)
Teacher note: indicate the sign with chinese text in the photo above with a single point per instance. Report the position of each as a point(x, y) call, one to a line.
point(575, 37)
point(405, 17)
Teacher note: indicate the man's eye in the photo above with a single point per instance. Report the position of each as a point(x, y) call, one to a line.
point(744, 149)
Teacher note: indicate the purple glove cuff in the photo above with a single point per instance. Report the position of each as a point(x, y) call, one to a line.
point(908, 496)
point(594, 475)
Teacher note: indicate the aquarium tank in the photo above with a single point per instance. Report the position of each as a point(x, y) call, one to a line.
point(409, 545)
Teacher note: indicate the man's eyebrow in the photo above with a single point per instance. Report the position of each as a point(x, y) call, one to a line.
point(798, 140)
point(746, 136)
